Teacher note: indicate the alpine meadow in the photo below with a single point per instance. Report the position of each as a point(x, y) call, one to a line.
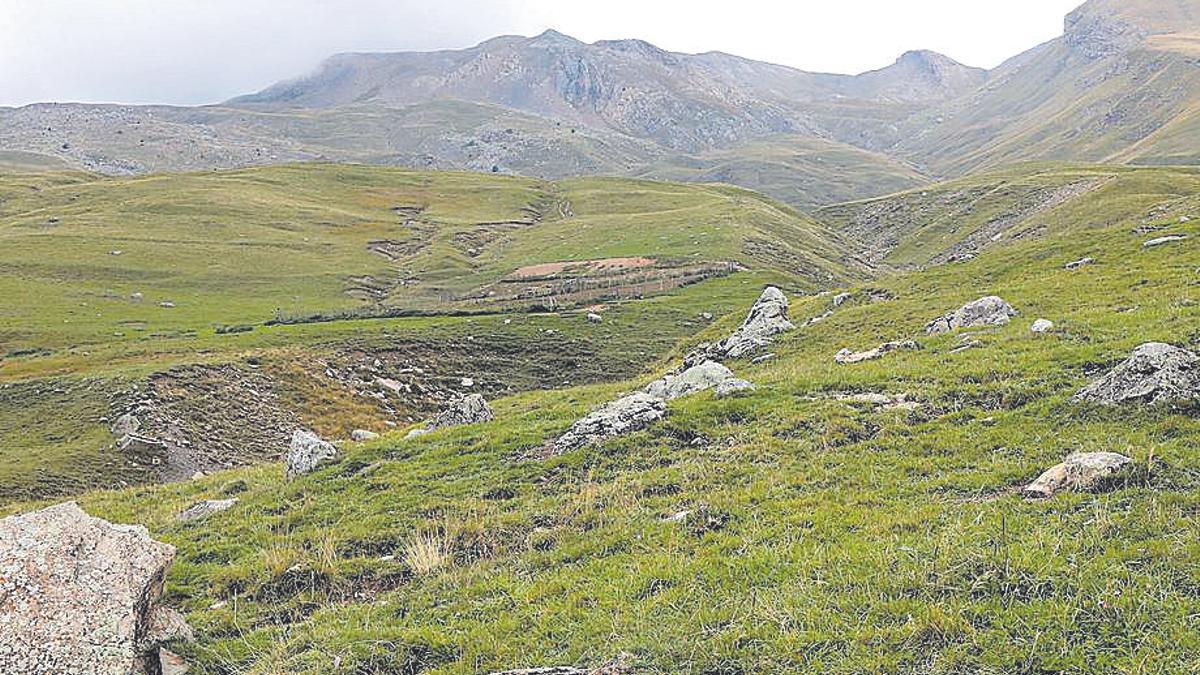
point(548, 357)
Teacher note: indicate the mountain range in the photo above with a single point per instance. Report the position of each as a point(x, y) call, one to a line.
point(1122, 84)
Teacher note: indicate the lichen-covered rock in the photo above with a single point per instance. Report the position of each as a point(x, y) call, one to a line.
point(623, 416)
point(206, 508)
point(694, 380)
point(846, 357)
point(768, 318)
point(987, 311)
point(1154, 373)
point(80, 595)
point(732, 388)
point(307, 453)
point(1080, 472)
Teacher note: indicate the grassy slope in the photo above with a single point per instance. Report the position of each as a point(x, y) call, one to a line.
point(803, 171)
point(850, 539)
point(239, 248)
point(918, 227)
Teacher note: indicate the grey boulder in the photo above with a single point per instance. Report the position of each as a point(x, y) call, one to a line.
point(1154, 373)
point(1081, 472)
point(81, 595)
point(471, 409)
point(206, 508)
point(307, 453)
point(986, 311)
point(362, 435)
point(623, 416)
point(733, 388)
point(694, 380)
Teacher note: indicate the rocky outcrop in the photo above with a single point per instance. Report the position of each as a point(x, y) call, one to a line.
point(81, 595)
point(623, 416)
point(1154, 373)
point(694, 380)
point(1081, 472)
point(987, 311)
point(847, 357)
point(206, 508)
point(768, 318)
point(1082, 262)
point(307, 453)
point(471, 409)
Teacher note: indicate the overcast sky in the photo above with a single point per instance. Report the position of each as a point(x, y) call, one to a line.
point(204, 51)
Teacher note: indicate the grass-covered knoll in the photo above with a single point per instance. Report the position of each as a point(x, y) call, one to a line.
point(836, 537)
point(956, 219)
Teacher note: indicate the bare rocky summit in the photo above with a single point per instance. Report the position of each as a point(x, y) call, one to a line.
point(81, 595)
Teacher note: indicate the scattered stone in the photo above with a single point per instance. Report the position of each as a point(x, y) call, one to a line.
point(987, 311)
point(846, 357)
point(1081, 472)
point(467, 382)
point(136, 297)
point(1169, 239)
point(362, 435)
point(414, 433)
point(1154, 373)
point(1083, 262)
point(767, 318)
point(841, 299)
point(167, 304)
point(733, 388)
point(623, 416)
point(1042, 326)
point(694, 380)
point(897, 402)
point(81, 595)
point(707, 316)
point(207, 508)
point(139, 444)
point(595, 318)
point(307, 453)
point(762, 359)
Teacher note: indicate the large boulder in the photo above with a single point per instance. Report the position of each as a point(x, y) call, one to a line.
point(81, 595)
point(987, 311)
point(471, 409)
point(307, 453)
point(694, 380)
point(623, 416)
point(1154, 373)
point(768, 318)
point(1081, 472)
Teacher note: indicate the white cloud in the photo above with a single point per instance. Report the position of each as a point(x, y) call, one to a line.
point(198, 51)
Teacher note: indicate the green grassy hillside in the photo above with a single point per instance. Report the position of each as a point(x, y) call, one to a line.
point(961, 218)
point(834, 536)
point(292, 273)
point(803, 171)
